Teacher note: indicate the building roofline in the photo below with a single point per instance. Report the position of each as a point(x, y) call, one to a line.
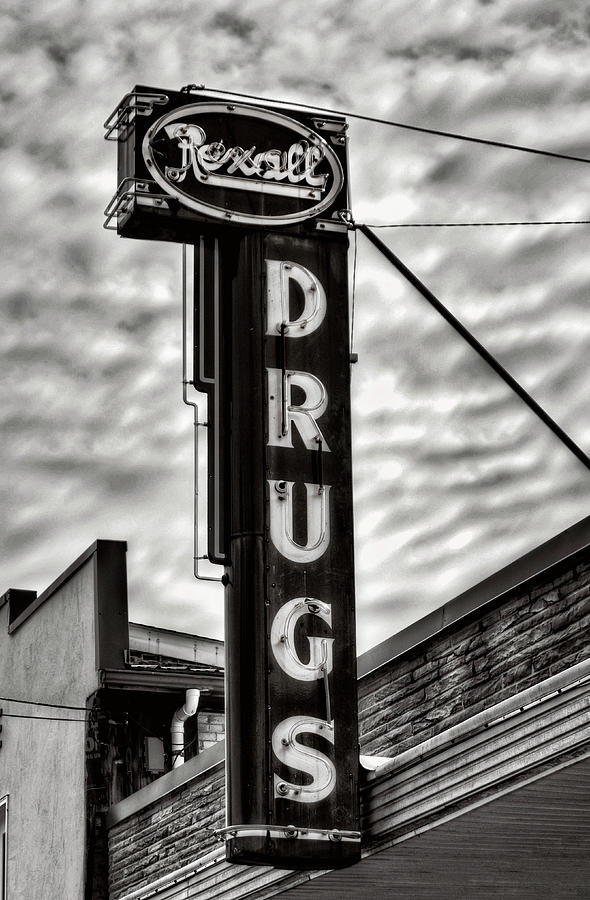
point(61, 580)
point(562, 549)
point(189, 634)
point(210, 683)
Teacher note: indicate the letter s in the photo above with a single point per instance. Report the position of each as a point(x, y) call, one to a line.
point(306, 759)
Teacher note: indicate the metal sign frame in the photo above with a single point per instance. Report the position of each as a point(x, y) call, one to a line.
point(265, 168)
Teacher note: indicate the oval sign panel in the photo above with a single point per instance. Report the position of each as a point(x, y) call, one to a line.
point(242, 164)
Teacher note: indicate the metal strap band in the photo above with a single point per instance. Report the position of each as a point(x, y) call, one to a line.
point(289, 832)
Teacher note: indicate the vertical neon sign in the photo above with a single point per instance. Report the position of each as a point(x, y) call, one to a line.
point(292, 682)
point(261, 194)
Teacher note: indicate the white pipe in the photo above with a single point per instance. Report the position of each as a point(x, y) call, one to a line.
point(177, 725)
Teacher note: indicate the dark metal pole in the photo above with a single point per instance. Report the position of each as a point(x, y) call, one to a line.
point(475, 344)
point(246, 623)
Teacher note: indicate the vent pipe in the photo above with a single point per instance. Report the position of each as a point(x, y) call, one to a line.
point(177, 725)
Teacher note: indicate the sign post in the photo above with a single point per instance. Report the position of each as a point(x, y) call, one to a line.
point(261, 193)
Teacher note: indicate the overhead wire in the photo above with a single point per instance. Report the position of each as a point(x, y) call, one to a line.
point(478, 224)
point(58, 706)
point(11, 715)
point(60, 718)
point(475, 344)
point(6, 715)
point(48, 705)
point(421, 129)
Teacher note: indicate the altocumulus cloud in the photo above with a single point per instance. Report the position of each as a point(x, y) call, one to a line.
point(453, 477)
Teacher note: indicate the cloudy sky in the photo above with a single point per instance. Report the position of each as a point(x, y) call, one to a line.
point(454, 477)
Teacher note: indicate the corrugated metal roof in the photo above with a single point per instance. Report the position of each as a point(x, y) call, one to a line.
point(531, 843)
point(496, 792)
point(456, 773)
point(176, 645)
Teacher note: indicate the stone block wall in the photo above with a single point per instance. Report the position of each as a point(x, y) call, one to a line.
point(167, 834)
point(537, 631)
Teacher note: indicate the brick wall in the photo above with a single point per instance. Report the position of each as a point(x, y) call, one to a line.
point(537, 631)
point(211, 729)
point(167, 834)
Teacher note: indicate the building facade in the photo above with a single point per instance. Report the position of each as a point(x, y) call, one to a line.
point(474, 737)
point(87, 705)
point(475, 757)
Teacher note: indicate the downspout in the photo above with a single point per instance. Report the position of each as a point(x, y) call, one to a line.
point(177, 725)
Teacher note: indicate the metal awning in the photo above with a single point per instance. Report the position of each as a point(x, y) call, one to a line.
point(159, 681)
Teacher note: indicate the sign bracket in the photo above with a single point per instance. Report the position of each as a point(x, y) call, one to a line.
point(135, 103)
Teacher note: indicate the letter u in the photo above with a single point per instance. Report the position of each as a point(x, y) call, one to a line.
point(281, 521)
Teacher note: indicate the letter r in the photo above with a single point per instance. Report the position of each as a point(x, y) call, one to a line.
point(282, 413)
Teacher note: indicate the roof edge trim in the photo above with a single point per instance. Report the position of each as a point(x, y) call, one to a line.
point(542, 560)
point(171, 781)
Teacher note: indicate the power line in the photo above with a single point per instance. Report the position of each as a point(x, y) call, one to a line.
point(479, 224)
point(49, 705)
point(58, 706)
point(475, 344)
point(60, 718)
point(6, 715)
point(394, 124)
